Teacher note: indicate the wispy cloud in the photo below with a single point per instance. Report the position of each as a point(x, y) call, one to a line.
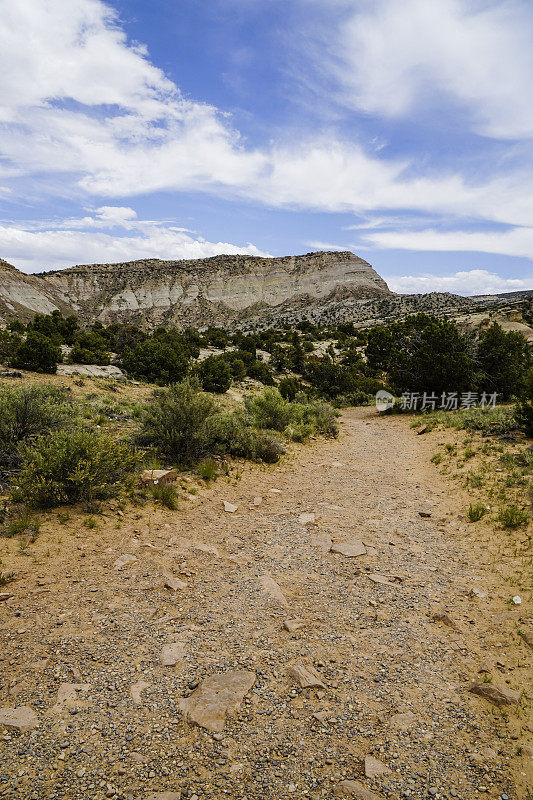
point(34, 247)
point(468, 282)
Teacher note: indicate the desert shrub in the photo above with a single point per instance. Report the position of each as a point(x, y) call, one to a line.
point(512, 517)
point(422, 353)
point(207, 469)
point(10, 341)
point(476, 511)
point(174, 423)
point(261, 372)
point(232, 434)
point(22, 523)
point(90, 348)
point(37, 353)
point(215, 374)
point(524, 417)
point(66, 467)
point(60, 329)
point(166, 495)
point(503, 358)
point(289, 387)
point(269, 410)
point(27, 412)
point(156, 361)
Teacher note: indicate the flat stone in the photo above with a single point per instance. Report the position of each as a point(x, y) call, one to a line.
point(444, 617)
point(479, 593)
point(485, 667)
point(500, 695)
point(69, 691)
point(381, 580)
point(307, 518)
point(162, 796)
point(229, 507)
point(172, 652)
point(136, 690)
point(174, 584)
point(273, 589)
point(354, 789)
point(123, 560)
point(294, 625)
point(258, 500)
point(21, 719)
point(373, 767)
point(217, 696)
point(403, 721)
point(527, 636)
point(5, 596)
point(349, 549)
point(322, 540)
point(306, 676)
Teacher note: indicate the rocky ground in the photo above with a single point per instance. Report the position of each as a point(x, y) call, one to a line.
point(169, 654)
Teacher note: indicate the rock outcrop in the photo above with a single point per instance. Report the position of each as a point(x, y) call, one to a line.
point(22, 296)
point(211, 290)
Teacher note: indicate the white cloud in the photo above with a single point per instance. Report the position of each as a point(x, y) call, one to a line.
point(86, 106)
point(395, 55)
point(34, 248)
point(469, 282)
point(514, 242)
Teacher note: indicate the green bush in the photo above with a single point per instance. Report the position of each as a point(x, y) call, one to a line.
point(512, 517)
point(27, 412)
point(289, 388)
point(207, 469)
point(524, 417)
point(185, 425)
point(90, 348)
point(156, 361)
point(476, 511)
point(66, 467)
point(37, 353)
point(166, 495)
point(270, 411)
point(503, 358)
point(215, 374)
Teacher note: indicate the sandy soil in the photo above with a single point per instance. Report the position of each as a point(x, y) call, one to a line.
point(396, 682)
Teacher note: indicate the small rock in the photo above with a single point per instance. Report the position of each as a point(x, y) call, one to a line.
point(258, 500)
point(306, 676)
point(485, 667)
point(163, 796)
point(444, 617)
point(172, 653)
point(293, 625)
point(354, 789)
point(273, 589)
point(349, 549)
point(174, 584)
point(229, 507)
point(69, 691)
point(136, 689)
point(496, 694)
point(403, 721)
point(422, 429)
point(123, 560)
point(306, 518)
point(527, 636)
point(373, 767)
point(422, 512)
point(479, 593)
point(22, 718)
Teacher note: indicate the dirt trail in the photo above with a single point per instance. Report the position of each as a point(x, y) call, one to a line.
point(396, 682)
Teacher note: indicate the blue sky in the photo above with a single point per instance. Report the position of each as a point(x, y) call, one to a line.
point(399, 129)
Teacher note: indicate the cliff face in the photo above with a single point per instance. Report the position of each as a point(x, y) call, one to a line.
point(212, 290)
point(22, 296)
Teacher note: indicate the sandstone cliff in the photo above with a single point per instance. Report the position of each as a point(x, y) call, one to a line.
point(214, 290)
point(22, 296)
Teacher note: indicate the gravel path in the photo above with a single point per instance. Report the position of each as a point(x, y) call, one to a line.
point(80, 632)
